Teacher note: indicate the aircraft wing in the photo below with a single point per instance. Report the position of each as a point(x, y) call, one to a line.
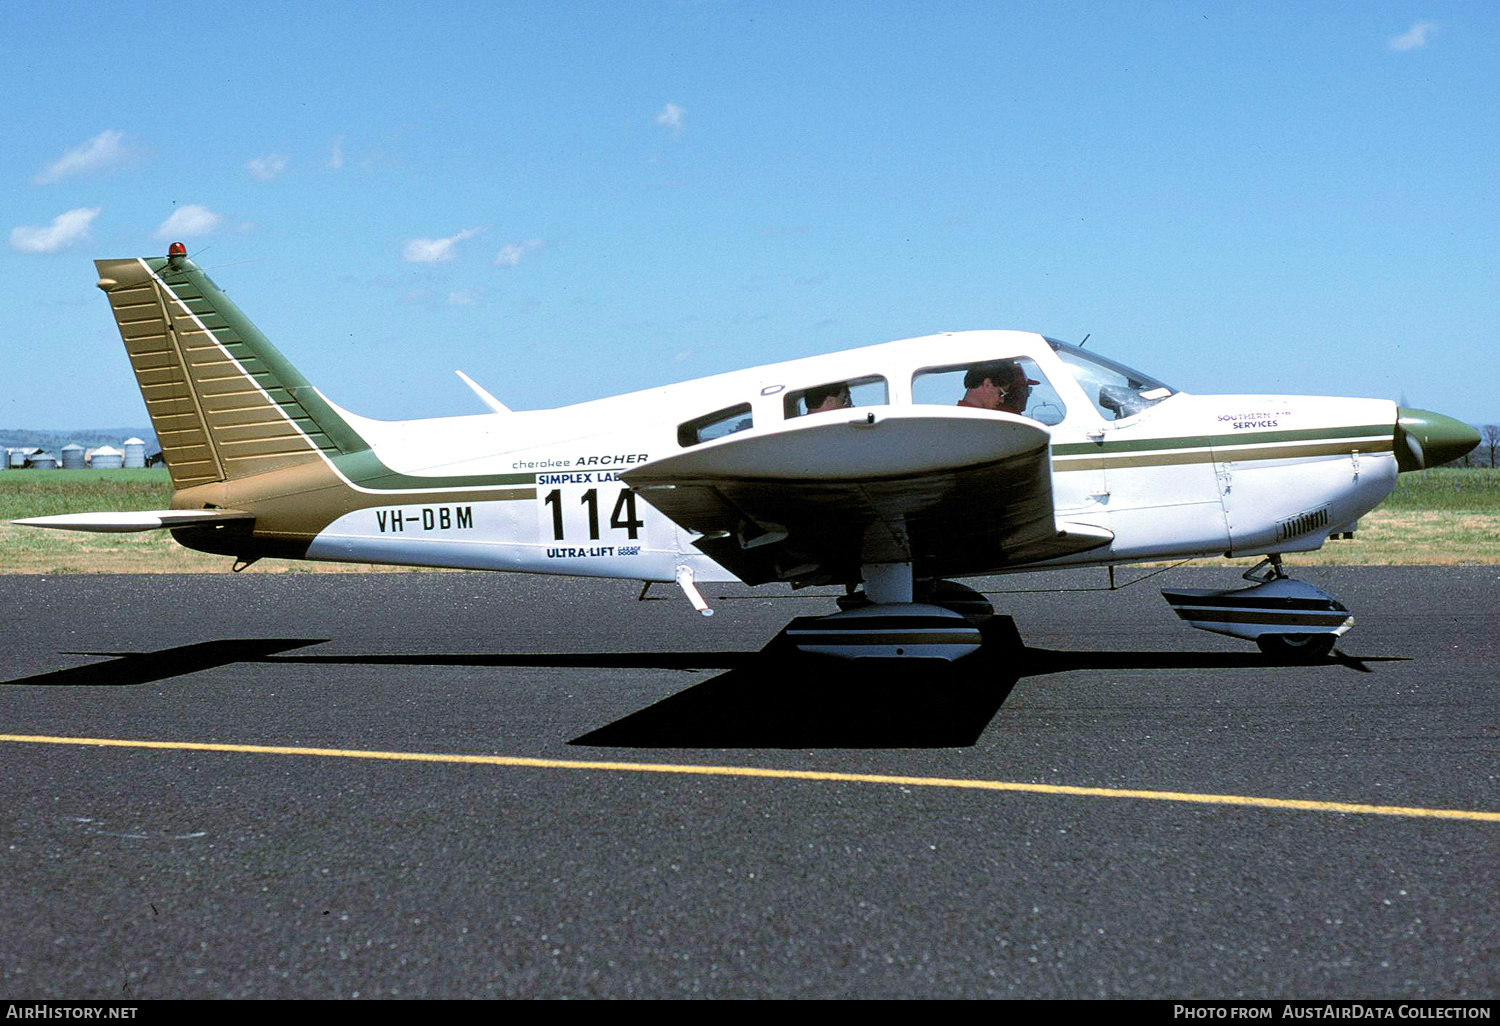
point(953, 492)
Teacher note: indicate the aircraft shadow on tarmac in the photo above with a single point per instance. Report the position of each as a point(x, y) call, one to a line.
point(774, 698)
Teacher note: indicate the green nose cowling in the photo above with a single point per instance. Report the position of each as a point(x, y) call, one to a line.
point(1426, 439)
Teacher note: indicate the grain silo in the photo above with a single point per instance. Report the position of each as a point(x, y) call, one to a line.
point(72, 457)
point(43, 461)
point(135, 452)
point(108, 458)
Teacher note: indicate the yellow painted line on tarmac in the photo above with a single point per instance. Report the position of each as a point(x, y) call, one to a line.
point(1247, 801)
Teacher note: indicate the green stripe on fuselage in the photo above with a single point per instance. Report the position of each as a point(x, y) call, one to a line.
point(1238, 455)
point(365, 470)
point(1260, 445)
point(1112, 446)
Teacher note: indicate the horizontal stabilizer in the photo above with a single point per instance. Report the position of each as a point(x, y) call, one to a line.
point(142, 520)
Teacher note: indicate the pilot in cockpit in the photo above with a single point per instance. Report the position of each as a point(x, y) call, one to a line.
point(833, 396)
point(999, 385)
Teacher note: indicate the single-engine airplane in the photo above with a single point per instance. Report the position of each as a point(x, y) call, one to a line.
point(890, 470)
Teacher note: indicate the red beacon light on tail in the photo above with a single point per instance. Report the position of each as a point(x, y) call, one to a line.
point(176, 254)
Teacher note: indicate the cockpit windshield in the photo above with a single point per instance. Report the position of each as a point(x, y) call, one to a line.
point(1116, 390)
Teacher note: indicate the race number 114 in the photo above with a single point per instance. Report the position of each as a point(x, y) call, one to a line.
point(573, 515)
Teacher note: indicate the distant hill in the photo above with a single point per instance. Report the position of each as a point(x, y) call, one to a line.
point(89, 438)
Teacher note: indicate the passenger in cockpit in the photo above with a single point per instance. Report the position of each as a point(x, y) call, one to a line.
point(999, 385)
point(834, 396)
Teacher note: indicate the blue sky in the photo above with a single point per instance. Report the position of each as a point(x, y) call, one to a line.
point(570, 200)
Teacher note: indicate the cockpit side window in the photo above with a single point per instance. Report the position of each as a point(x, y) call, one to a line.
point(837, 395)
point(1009, 385)
point(1115, 390)
point(715, 425)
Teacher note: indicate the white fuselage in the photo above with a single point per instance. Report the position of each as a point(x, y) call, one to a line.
point(1185, 476)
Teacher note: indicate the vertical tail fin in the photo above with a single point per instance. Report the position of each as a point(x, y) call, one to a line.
point(224, 403)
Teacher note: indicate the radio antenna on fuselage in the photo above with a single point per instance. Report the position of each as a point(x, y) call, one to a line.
point(494, 404)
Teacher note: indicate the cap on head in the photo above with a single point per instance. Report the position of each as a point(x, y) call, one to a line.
point(1003, 373)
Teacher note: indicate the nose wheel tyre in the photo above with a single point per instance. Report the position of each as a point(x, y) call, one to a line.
point(1300, 648)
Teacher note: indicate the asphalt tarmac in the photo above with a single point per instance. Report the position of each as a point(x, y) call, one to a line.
point(1125, 807)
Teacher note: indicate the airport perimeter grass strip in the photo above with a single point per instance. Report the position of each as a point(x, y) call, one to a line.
point(1286, 804)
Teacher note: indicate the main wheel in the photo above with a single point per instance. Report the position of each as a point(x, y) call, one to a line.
point(1301, 648)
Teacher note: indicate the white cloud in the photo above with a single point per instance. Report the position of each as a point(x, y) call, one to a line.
point(266, 168)
point(464, 297)
point(1413, 38)
point(336, 153)
point(435, 251)
point(102, 152)
point(511, 253)
point(671, 117)
point(188, 220)
point(66, 230)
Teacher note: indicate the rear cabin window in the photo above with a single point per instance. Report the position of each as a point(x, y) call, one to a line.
point(837, 395)
point(715, 425)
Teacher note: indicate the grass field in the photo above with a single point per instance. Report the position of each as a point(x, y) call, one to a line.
point(1444, 516)
point(39, 493)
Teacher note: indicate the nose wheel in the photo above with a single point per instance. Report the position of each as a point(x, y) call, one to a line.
point(1297, 648)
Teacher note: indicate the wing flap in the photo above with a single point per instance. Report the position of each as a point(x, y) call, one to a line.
point(139, 520)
